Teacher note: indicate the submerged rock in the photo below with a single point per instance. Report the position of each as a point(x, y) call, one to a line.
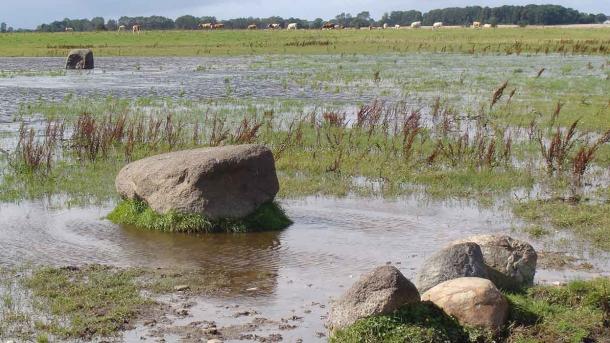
point(381, 291)
point(455, 261)
point(221, 182)
point(511, 263)
point(472, 301)
point(80, 59)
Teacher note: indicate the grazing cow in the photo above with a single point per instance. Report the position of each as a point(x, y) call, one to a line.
point(121, 28)
point(136, 29)
point(292, 26)
point(476, 25)
point(328, 26)
point(218, 26)
point(252, 27)
point(274, 26)
point(487, 26)
point(437, 25)
point(385, 26)
point(207, 26)
point(397, 26)
point(69, 29)
point(416, 24)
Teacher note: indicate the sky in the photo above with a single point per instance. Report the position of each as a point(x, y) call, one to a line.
point(30, 13)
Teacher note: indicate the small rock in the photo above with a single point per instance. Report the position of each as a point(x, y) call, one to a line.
point(381, 291)
point(455, 261)
point(511, 263)
point(80, 59)
point(181, 288)
point(474, 302)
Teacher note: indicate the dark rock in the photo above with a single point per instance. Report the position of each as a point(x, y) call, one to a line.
point(80, 59)
point(455, 261)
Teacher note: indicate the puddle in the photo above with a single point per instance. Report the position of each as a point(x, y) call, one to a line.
point(277, 275)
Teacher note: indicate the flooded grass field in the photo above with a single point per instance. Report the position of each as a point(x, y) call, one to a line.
point(382, 159)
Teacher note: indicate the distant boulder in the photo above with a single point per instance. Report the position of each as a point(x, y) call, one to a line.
point(80, 59)
point(472, 301)
point(219, 183)
point(455, 261)
point(511, 263)
point(381, 291)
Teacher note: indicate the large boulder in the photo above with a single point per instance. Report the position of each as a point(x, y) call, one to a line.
point(511, 264)
point(80, 59)
point(221, 182)
point(454, 261)
point(381, 291)
point(472, 301)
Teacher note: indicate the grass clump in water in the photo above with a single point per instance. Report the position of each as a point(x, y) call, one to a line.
point(590, 221)
point(268, 217)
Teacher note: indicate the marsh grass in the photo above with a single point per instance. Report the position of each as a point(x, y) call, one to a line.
point(87, 302)
point(576, 312)
point(268, 217)
point(588, 220)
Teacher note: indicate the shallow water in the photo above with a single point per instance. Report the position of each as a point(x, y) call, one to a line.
point(319, 79)
point(279, 274)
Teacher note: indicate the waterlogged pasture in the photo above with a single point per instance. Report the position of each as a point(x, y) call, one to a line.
point(381, 159)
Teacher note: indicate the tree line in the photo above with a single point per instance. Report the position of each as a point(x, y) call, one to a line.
point(509, 15)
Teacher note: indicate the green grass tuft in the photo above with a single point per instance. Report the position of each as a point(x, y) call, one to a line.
point(268, 217)
point(417, 323)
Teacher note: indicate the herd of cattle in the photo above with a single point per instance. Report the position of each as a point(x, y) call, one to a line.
point(293, 26)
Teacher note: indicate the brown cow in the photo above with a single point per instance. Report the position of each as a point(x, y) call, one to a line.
point(218, 26)
point(328, 26)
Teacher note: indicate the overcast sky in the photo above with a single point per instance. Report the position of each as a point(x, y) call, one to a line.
point(29, 13)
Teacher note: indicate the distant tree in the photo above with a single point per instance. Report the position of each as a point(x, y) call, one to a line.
point(97, 24)
point(112, 25)
point(600, 18)
point(187, 22)
point(317, 23)
point(3, 27)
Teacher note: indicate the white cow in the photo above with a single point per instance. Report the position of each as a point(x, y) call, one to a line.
point(476, 25)
point(69, 29)
point(121, 28)
point(487, 26)
point(385, 26)
point(416, 24)
point(397, 26)
point(292, 26)
point(437, 25)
